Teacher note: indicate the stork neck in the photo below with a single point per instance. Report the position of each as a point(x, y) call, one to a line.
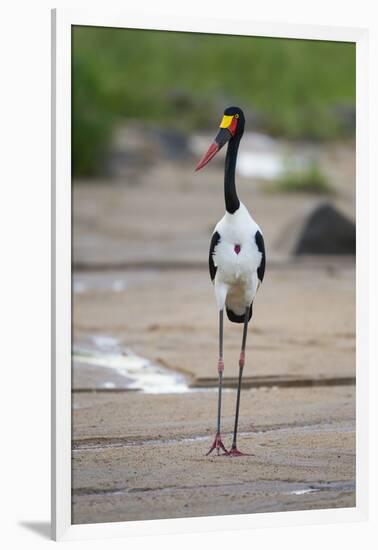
point(230, 195)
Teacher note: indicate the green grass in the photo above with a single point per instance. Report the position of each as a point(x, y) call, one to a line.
point(308, 180)
point(289, 88)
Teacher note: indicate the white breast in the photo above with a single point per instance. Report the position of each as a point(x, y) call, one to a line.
point(236, 281)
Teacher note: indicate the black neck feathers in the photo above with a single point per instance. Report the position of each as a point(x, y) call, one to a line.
point(230, 195)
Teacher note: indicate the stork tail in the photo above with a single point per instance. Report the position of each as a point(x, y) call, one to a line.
point(234, 318)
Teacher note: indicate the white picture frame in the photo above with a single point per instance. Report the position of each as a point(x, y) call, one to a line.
point(62, 21)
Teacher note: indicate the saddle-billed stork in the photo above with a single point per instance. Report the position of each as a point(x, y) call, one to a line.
point(236, 258)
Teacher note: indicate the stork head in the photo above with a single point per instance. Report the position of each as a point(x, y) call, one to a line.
point(231, 126)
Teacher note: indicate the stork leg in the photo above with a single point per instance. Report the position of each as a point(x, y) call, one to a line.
point(234, 450)
point(218, 443)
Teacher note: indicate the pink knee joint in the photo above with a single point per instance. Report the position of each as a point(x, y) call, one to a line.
point(220, 365)
point(241, 359)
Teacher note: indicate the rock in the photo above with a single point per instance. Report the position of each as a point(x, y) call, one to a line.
point(171, 144)
point(346, 117)
point(326, 231)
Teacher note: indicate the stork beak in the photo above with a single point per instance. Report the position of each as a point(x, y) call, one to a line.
point(223, 136)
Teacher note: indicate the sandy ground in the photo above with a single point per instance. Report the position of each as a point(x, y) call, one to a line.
point(141, 286)
point(143, 457)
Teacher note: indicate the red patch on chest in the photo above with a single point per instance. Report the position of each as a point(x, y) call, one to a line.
point(237, 248)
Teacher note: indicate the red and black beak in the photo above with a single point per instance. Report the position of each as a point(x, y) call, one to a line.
point(224, 135)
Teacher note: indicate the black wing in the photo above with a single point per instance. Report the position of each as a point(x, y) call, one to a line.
point(212, 267)
point(261, 247)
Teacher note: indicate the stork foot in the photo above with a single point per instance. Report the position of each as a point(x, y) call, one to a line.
point(217, 445)
point(234, 451)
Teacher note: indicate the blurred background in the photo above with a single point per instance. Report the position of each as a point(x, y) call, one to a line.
point(297, 89)
point(146, 106)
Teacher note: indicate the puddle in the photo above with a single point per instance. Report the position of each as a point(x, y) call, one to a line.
point(138, 373)
point(126, 370)
point(346, 486)
point(83, 284)
point(303, 491)
point(105, 343)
